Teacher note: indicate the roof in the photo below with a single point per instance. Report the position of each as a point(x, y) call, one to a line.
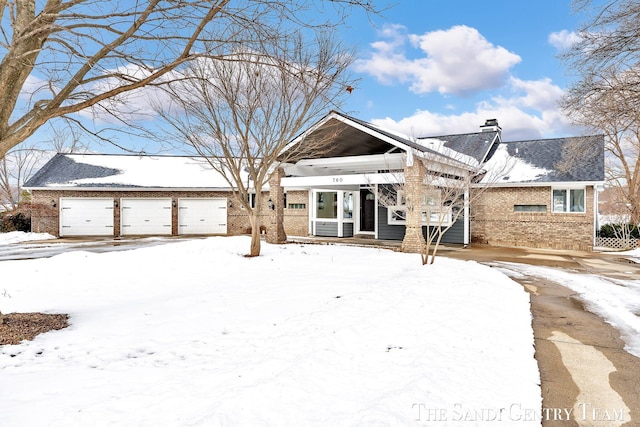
point(572, 159)
point(531, 162)
point(126, 171)
point(354, 137)
point(476, 145)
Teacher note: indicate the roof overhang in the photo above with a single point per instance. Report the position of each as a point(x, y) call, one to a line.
point(564, 184)
point(350, 138)
point(347, 140)
point(123, 189)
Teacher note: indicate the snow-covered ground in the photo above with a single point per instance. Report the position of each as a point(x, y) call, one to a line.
point(193, 333)
point(617, 301)
point(21, 236)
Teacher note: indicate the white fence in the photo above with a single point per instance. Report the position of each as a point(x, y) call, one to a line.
point(615, 243)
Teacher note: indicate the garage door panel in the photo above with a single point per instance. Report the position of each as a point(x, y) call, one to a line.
point(86, 216)
point(145, 216)
point(202, 216)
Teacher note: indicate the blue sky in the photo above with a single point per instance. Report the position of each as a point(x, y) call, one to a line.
point(436, 67)
point(439, 67)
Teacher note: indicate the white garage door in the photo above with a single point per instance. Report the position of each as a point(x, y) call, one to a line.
point(202, 216)
point(86, 216)
point(145, 216)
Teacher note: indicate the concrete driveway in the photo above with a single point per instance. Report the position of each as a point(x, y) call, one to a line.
point(49, 248)
point(588, 379)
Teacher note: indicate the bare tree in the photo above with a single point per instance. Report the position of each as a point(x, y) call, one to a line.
point(609, 39)
point(444, 195)
point(607, 107)
point(451, 184)
point(63, 57)
point(242, 113)
point(15, 168)
point(606, 98)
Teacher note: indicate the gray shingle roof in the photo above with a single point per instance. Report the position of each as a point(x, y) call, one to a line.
point(63, 169)
point(566, 159)
point(476, 145)
point(127, 171)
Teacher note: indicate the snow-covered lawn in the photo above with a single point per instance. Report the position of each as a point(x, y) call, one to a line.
point(21, 236)
point(193, 333)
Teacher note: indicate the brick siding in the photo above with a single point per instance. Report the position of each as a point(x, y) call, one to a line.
point(295, 220)
point(494, 221)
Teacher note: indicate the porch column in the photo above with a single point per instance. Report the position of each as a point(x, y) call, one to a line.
point(275, 228)
point(414, 175)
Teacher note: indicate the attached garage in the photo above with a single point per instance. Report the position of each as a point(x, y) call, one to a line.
point(83, 216)
point(145, 216)
point(202, 216)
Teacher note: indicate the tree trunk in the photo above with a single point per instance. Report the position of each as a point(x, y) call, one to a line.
point(254, 220)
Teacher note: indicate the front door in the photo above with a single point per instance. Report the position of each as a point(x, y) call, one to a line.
point(367, 210)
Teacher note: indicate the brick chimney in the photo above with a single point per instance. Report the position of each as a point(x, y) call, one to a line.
point(491, 125)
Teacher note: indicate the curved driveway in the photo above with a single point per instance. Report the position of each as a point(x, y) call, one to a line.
point(588, 379)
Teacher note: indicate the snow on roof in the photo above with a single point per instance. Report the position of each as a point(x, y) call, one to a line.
point(571, 159)
point(438, 145)
point(505, 168)
point(106, 170)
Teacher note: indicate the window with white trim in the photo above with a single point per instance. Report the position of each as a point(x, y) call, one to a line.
point(251, 199)
point(434, 213)
point(568, 200)
point(327, 204)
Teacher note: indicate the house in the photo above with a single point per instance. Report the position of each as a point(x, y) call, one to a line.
point(548, 196)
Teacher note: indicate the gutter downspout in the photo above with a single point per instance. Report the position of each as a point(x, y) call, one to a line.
point(467, 219)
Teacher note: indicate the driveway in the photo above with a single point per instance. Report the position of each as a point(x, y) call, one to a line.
point(588, 378)
point(49, 248)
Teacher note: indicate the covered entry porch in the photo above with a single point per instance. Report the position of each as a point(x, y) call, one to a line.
point(343, 192)
point(348, 184)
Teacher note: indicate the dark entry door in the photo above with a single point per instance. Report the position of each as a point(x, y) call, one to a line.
point(367, 210)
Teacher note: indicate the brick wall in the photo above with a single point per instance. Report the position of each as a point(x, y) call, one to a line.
point(295, 220)
point(494, 221)
point(413, 241)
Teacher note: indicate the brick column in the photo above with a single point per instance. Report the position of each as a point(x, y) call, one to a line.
point(275, 228)
point(414, 175)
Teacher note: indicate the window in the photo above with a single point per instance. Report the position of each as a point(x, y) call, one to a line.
point(529, 208)
point(327, 204)
point(440, 217)
point(297, 205)
point(347, 205)
point(434, 213)
point(251, 198)
point(569, 200)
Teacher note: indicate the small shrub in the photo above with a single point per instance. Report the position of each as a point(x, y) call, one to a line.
point(17, 220)
point(620, 231)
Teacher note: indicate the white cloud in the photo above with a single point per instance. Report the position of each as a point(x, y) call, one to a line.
point(541, 95)
point(563, 40)
point(532, 112)
point(457, 61)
